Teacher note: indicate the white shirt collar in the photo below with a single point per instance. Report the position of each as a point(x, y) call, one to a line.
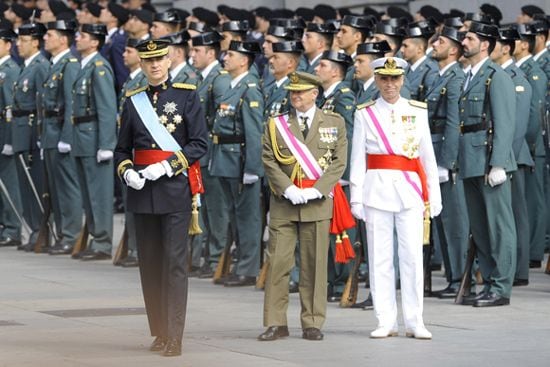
point(29, 60)
point(478, 66)
point(175, 71)
point(522, 60)
point(58, 57)
point(507, 63)
point(331, 89)
point(442, 71)
point(236, 80)
point(537, 56)
point(208, 69)
point(310, 114)
point(315, 59)
point(278, 83)
point(4, 59)
point(135, 73)
point(87, 59)
point(368, 83)
point(386, 104)
point(417, 63)
point(110, 33)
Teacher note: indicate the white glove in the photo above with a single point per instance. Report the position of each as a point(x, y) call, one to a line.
point(295, 195)
point(153, 171)
point(7, 149)
point(63, 147)
point(133, 179)
point(312, 193)
point(443, 174)
point(358, 211)
point(265, 236)
point(39, 144)
point(104, 155)
point(249, 178)
point(435, 209)
point(41, 154)
point(497, 176)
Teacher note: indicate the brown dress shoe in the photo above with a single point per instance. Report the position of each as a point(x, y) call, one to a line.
point(273, 333)
point(159, 344)
point(173, 347)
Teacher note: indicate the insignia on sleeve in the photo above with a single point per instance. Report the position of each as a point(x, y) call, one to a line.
point(224, 72)
point(101, 72)
point(251, 85)
point(254, 104)
point(345, 90)
point(98, 63)
point(418, 104)
point(184, 86)
point(73, 59)
point(135, 91)
point(365, 105)
point(535, 77)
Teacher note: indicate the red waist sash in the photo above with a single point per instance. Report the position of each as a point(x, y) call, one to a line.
point(146, 157)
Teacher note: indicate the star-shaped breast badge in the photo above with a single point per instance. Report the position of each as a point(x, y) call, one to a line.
point(177, 119)
point(170, 107)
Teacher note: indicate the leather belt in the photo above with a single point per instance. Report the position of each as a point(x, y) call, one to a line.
point(22, 113)
point(53, 113)
point(227, 139)
point(86, 118)
point(465, 129)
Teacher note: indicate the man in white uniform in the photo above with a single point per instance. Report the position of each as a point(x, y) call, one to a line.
point(394, 185)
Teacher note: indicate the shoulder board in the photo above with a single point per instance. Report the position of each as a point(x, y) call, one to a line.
point(365, 105)
point(99, 63)
point(418, 104)
point(251, 85)
point(73, 59)
point(184, 86)
point(520, 88)
point(330, 112)
point(344, 90)
point(535, 77)
point(224, 72)
point(135, 91)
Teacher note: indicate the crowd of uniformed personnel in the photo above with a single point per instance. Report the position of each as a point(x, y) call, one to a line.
point(67, 67)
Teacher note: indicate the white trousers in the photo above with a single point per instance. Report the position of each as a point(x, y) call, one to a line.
point(380, 226)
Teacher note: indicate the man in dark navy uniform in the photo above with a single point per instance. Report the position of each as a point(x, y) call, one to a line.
point(163, 125)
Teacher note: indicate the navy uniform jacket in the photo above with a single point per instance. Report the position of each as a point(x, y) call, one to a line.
point(9, 71)
point(112, 51)
point(240, 114)
point(57, 101)
point(178, 105)
point(26, 105)
point(523, 102)
point(94, 109)
point(419, 81)
point(443, 113)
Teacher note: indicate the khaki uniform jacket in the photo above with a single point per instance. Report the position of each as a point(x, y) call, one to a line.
point(326, 141)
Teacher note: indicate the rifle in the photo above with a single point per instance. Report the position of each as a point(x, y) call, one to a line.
point(427, 250)
point(43, 239)
point(12, 206)
point(81, 242)
point(349, 295)
point(465, 283)
point(224, 265)
point(122, 249)
point(547, 270)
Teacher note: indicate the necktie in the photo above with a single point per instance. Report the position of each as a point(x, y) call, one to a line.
point(303, 126)
point(468, 79)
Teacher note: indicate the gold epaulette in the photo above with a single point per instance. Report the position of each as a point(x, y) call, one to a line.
point(251, 85)
point(344, 90)
point(184, 86)
point(130, 93)
point(224, 72)
point(73, 59)
point(418, 104)
point(99, 63)
point(365, 105)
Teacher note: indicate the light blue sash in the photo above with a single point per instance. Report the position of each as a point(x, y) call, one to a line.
point(150, 119)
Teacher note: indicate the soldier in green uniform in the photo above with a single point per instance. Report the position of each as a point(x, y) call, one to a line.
point(502, 55)
point(135, 80)
point(94, 139)
point(363, 73)
point(451, 228)
point(178, 52)
point(214, 84)
point(534, 179)
point(485, 155)
point(235, 157)
point(338, 98)
point(25, 124)
point(276, 33)
point(316, 40)
point(9, 71)
point(57, 135)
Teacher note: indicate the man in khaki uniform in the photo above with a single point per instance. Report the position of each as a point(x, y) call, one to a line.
point(304, 156)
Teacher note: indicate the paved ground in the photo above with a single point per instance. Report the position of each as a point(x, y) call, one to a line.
point(55, 311)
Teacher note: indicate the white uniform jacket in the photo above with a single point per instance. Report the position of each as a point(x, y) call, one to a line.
point(406, 130)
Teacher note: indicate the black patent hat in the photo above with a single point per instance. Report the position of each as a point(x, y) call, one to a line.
point(484, 30)
point(8, 35)
point(178, 38)
point(288, 46)
point(358, 21)
point(338, 57)
point(324, 28)
point(282, 32)
point(95, 29)
point(508, 34)
point(133, 42)
point(240, 26)
point(199, 27)
point(168, 16)
point(455, 22)
point(249, 48)
point(32, 29)
point(389, 30)
point(207, 39)
point(63, 25)
point(373, 48)
point(453, 34)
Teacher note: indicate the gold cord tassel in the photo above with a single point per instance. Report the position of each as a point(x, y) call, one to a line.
point(426, 238)
point(194, 227)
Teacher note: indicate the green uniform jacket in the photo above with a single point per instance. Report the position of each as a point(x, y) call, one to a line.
point(29, 86)
point(187, 74)
point(57, 102)
point(472, 156)
point(9, 71)
point(364, 95)
point(333, 152)
point(276, 99)
point(444, 117)
point(240, 114)
point(94, 97)
point(536, 77)
point(419, 81)
point(544, 63)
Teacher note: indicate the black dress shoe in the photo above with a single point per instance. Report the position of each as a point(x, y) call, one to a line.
point(173, 347)
point(8, 241)
point(91, 255)
point(159, 344)
point(492, 299)
point(239, 281)
point(366, 304)
point(129, 262)
point(293, 287)
point(312, 333)
point(520, 282)
point(28, 247)
point(273, 333)
point(60, 249)
point(449, 292)
point(535, 264)
point(206, 272)
point(471, 299)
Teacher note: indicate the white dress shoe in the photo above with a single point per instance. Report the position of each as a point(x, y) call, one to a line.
point(419, 332)
point(383, 332)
